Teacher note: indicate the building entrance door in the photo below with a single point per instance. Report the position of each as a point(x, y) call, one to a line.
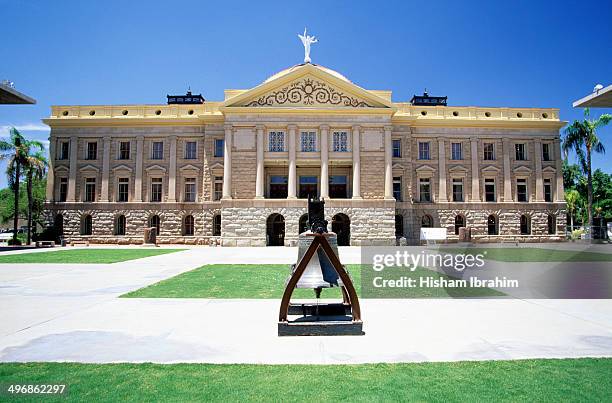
point(275, 230)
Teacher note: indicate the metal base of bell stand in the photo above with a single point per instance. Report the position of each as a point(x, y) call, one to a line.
point(312, 309)
point(322, 328)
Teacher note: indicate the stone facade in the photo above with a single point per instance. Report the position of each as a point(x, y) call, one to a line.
point(215, 173)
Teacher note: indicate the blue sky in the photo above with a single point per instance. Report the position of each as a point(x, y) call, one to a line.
point(516, 54)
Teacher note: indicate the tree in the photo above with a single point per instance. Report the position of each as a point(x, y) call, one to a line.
point(571, 198)
point(36, 167)
point(581, 136)
point(15, 151)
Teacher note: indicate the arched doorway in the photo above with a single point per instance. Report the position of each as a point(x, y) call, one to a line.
point(303, 224)
point(399, 225)
point(154, 221)
point(427, 221)
point(492, 228)
point(341, 225)
point(275, 230)
point(58, 224)
point(459, 223)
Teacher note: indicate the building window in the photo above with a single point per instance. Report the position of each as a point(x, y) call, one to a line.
point(520, 152)
point(492, 228)
point(547, 190)
point(188, 226)
point(278, 187)
point(338, 188)
point(155, 222)
point(397, 188)
point(399, 225)
point(120, 224)
point(123, 189)
point(427, 221)
point(86, 225)
point(489, 151)
point(424, 190)
point(191, 150)
point(156, 189)
point(308, 186)
point(308, 142)
point(424, 151)
point(64, 150)
point(457, 190)
point(190, 190)
point(340, 141)
point(489, 190)
point(521, 190)
point(90, 189)
point(219, 147)
point(525, 225)
point(218, 188)
point(92, 151)
point(552, 224)
point(63, 189)
point(217, 225)
point(459, 223)
point(546, 152)
point(157, 150)
point(456, 151)
point(124, 150)
point(276, 141)
point(397, 148)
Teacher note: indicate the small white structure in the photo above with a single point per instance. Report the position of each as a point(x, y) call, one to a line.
point(431, 235)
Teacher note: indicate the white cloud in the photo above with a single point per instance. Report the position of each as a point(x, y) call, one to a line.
point(26, 127)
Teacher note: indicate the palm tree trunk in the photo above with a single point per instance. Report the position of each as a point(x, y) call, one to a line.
point(30, 204)
point(16, 206)
point(589, 191)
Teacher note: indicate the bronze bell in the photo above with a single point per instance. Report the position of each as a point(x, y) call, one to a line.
point(319, 272)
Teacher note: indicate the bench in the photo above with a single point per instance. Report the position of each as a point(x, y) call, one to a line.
point(76, 243)
point(45, 244)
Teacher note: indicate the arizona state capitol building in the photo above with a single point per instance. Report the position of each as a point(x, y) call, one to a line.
point(238, 171)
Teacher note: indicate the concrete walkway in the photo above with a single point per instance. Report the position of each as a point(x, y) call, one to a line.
point(64, 312)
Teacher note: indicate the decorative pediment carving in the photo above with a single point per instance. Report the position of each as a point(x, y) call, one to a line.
point(309, 92)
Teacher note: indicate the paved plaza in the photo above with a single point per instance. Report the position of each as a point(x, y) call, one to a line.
point(71, 312)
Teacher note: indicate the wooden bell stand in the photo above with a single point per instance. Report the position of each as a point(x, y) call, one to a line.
point(331, 319)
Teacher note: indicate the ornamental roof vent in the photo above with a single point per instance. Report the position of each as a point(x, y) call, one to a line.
point(188, 98)
point(427, 100)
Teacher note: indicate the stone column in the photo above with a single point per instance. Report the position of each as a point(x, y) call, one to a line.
point(71, 196)
point(442, 194)
point(105, 169)
point(475, 169)
point(138, 173)
point(324, 130)
point(388, 164)
point(172, 171)
point(356, 146)
point(507, 173)
point(560, 193)
point(292, 182)
point(539, 182)
point(227, 163)
point(259, 180)
point(51, 175)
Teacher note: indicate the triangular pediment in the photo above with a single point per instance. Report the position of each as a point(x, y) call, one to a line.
point(310, 87)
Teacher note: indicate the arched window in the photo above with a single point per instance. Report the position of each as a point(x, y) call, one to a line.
point(399, 225)
point(155, 221)
point(552, 224)
point(459, 222)
point(120, 224)
point(217, 225)
point(492, 227)
point(427, 221)
point(303, 224)
point(525, 225)
point(188, 225)
point(86, 225)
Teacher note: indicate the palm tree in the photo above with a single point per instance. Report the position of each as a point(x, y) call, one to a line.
point(35, 169)
point(581, 136)
point(15, 151)
point(571, 198)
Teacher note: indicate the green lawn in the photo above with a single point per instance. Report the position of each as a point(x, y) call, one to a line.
point(268, 281)
point(85, 255)
point(534, 254)
point(525, 380)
